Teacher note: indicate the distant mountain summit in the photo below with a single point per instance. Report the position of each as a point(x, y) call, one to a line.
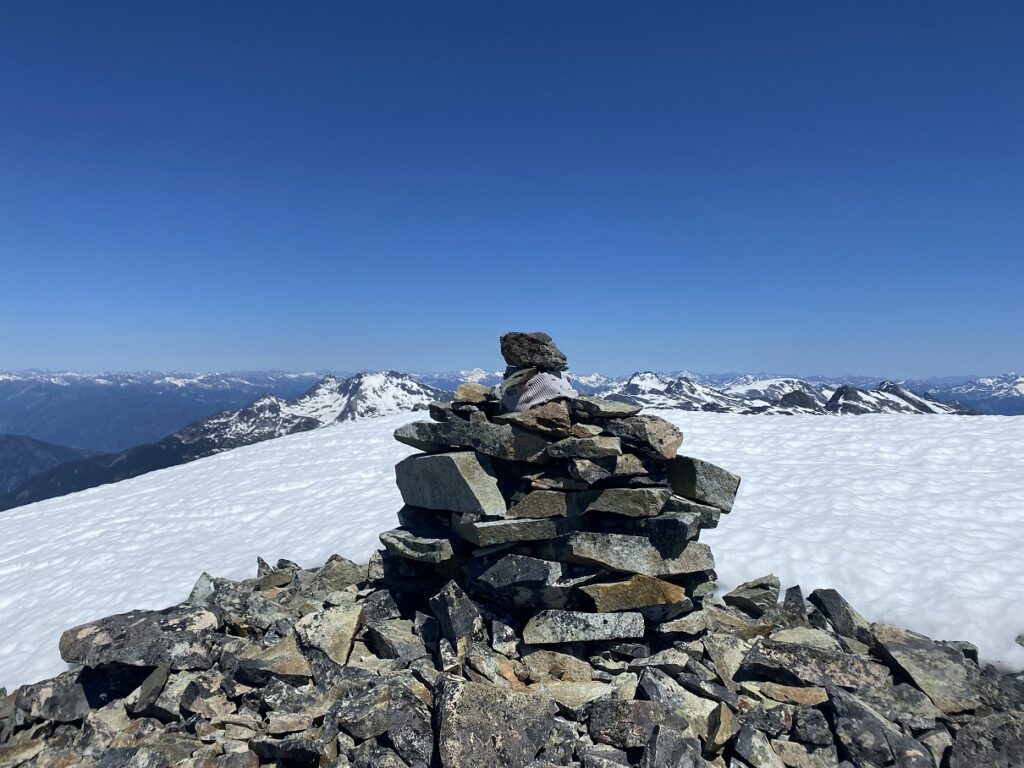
point(329, 401)
point(887, 397)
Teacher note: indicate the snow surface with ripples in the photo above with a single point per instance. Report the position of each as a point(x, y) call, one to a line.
point(917, 520)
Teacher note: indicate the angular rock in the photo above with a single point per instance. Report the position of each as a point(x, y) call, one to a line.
point(396, 639)
point(668, 748)
point(526, 581)
point(756, 597)
point(181, 638)
point(800, 665)
point(330, 631)
point(629, 502)
point(994, 741)
point(702, 481)
point(551, 418)
point(902, 704)
point(796, 755)
point(424, 546)
point(556, 626)
point(573, 696)
point(628, 724)
point(812, 638)
point(544, 504)
point(532, 350)
point(588, 406)
point(482, 726)
point(649, 435)
point(943, 673)
point(460, 482)
point(502, 441)
point(585, 448)
point(544, 664)
point(487, 533)
point(863, 733)
point(629, 554)
point(283, 660)
point(472, 392)
point(756, 751)
point(459, 619)
point(638, 591)
point(841, 615)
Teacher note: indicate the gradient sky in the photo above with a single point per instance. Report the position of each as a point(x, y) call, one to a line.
point(800, 187)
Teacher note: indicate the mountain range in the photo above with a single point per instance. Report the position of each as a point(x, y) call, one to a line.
point(330, 401)
point(122, 405)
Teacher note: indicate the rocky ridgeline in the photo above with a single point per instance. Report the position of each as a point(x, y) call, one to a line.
point(545, 602)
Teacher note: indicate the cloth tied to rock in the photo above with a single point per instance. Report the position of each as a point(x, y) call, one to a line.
point(524, 388)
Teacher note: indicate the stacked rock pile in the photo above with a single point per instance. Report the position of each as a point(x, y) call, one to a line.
point(545, 603)
point(573, 520)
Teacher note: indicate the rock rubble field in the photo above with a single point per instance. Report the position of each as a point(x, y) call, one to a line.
point(545, 601)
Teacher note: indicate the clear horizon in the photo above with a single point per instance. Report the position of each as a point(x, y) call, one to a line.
point(784, 187)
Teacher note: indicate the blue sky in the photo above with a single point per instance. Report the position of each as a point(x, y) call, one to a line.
point(800, 187)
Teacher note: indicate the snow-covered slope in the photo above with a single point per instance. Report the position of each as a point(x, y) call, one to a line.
point(863, 505)
point(887, 397)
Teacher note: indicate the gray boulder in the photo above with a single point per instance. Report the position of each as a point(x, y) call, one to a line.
point(628, 554)
point(649, 435)
point(589, 407)
point(841, 615)
point(629, 724)
point(755, 598)
point(425, 546)
point(948, 678)
point(555, 626)
point(181, 638)
point(792, 664)
point(532, 350)
point(485, 533)
point(585, 448)
point(630, 502)
point(459, 619)
point(460, 482)
point(483, 726)
point(502, 441)
point(703, 482)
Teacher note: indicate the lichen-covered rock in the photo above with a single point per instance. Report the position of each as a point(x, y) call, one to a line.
point(534, 349)
point(802, 665)
point(628, 554)
point(481, 726)
point(502, 441)
point(556, 626)
point(648, 435)
point(460, 482)
point(180, 637)
point(704, 482)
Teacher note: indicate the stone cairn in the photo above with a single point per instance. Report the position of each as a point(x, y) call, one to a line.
point(544, 603)
point(574, 520)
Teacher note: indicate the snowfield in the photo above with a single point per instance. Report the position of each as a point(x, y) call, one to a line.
point(917, 520)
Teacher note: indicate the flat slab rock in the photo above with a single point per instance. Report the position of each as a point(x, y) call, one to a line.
point(482, 726)
point(550, 627)
point(703, 481)
point(801, 665)
point(629, 554)
point(502, 441)
point(459, 482)
point(181, 638)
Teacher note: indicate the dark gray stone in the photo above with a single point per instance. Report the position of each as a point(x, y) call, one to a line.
point(482, 726)
point(629, 502)
point(502, 441)
point(994, 741)
point(841, 615)
point(648, 435)
point(458, 617)
point(534, 349)
point(585, 448)
point(459, 482)
point(703, 482)
point(755, 598)
point(628, 554)
point(551, 418)
point(792, 664)
point(180, 637)
point(556, 626)
point(668, 748)
point(948, 678)
point(589, 407)
point(424, 546)
point(485, 533)
point(628, 724)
